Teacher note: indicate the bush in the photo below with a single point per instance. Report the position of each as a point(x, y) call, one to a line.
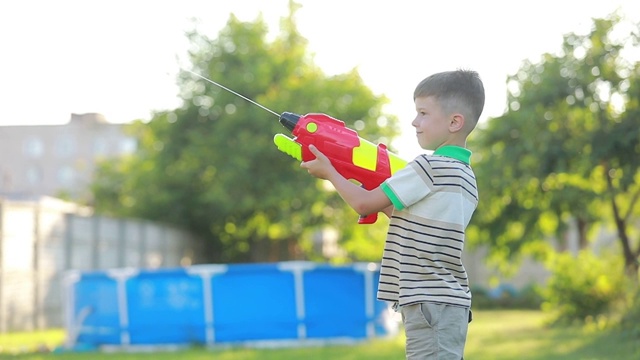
point(629, 321)
point(530, 297)
point(506, 297)
point(583, 287)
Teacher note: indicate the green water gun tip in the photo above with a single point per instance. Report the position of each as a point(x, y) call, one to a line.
point(288, 146)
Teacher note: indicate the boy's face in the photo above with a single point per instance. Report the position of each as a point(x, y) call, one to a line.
point(431, 123)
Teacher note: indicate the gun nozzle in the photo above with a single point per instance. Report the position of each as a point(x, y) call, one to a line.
point(289, 120)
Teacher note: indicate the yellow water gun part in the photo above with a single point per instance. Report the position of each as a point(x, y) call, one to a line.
point(288, 146)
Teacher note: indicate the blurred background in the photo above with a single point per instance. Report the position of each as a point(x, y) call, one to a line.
point(114, 158)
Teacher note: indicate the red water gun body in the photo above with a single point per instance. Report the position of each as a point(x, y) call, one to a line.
point(353, 157)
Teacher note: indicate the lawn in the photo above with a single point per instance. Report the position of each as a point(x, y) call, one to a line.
point(493, 335)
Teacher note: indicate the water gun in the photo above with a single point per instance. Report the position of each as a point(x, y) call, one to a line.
point(353, 157)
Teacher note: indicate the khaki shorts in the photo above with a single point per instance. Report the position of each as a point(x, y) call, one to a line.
point(435, 331)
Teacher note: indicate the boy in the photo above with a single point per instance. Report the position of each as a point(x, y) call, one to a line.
point(430, 203)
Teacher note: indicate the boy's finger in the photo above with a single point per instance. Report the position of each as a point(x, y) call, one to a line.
point(315, 151)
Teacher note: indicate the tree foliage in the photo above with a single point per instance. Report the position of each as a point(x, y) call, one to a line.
point(566, 150)
point(210, 166)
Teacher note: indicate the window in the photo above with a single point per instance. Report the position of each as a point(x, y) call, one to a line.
point(128, 146)
point(100, 147)
point(65, 175)
point(33, 147)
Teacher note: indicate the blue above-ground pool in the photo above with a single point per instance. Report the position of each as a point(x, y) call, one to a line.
point(279, 304)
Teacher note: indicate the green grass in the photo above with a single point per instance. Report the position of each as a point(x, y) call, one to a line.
point(493, 335)
point(502, 335)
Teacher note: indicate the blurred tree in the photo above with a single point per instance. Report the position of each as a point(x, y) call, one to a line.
point(566, 150)
point(211, 165)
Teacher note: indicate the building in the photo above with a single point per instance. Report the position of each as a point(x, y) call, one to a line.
point(56, 160)
point(42, 238)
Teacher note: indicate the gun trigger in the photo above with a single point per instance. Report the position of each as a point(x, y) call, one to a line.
point(288, 146)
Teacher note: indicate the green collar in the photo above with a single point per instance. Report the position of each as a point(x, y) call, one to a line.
point(456, 152)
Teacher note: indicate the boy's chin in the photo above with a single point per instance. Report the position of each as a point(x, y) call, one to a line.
point(428, 147)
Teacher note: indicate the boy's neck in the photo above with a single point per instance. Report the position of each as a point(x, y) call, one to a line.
point(459, 153)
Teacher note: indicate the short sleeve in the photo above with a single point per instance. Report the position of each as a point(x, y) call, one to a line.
point(409, 185)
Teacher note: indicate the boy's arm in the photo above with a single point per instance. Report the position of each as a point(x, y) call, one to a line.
point(363, 201)
point(388, 211)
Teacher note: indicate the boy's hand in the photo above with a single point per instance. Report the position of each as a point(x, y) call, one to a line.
point(319, 167)
point(363, 201)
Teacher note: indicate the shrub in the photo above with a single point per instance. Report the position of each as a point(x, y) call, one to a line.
point(582, 287)
point(631, 314)
point(506, 297)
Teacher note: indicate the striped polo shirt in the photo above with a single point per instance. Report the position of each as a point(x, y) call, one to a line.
point(434, 197)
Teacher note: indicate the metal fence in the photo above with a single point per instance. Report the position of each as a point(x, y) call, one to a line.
point(41, 240)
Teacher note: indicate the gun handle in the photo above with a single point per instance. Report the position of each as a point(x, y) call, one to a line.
point(369, 219)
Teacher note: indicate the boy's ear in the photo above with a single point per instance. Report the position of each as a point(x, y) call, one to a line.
point(457, 122)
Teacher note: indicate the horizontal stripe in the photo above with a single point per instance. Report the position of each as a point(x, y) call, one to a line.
point(422, 258)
